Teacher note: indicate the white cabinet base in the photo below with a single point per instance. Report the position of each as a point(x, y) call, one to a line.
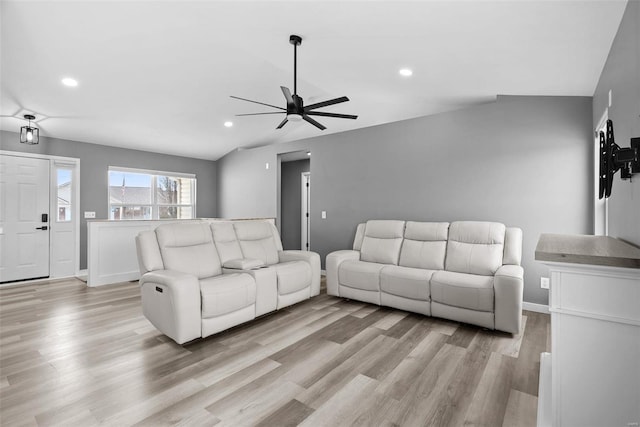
point(595, 347)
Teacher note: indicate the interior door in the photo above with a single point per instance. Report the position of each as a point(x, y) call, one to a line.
point(305, 209)
point(24, 215)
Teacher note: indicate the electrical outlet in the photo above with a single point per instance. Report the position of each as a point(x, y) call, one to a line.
point(544, 282)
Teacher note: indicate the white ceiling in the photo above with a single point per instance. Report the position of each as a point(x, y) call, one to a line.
point(157, 75)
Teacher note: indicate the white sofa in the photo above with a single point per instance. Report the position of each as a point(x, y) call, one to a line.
point(465, 271)
point(202, 277)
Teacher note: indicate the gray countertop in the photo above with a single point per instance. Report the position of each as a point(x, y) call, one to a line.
point(581, 249)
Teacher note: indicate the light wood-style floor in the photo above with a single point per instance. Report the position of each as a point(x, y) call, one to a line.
point(72, 355)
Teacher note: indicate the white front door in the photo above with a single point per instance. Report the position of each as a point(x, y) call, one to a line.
point(24, 231)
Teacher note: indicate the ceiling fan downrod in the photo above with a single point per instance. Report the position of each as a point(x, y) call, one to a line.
point(295, 41)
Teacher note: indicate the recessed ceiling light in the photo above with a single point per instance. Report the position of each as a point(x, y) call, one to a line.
point(228, 124)
point(68, 81)
point(308, 153)
point(405, 72)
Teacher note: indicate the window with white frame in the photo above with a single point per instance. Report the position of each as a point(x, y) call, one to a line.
point(64, 175)
point(143, 194)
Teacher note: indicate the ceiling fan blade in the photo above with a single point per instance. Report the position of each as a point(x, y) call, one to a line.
point(336, 115)
point(259, 114)
point(326, 103)
point(287, 94)
point(256, 102)
point(284, 122)
point(313, 122)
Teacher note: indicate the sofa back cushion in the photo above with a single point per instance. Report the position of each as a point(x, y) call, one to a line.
point(475, 247)
point(227, 244)
point(258, 240)
point(424, 245)
point(149, 256)
point(382, 241)
point(189, 248)
point(512, 246)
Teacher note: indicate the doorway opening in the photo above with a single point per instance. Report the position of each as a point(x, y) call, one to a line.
point(295, 200)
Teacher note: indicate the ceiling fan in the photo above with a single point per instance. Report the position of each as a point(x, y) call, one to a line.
point(296, 110)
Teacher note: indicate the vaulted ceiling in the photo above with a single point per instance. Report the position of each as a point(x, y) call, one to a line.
point(157, 75)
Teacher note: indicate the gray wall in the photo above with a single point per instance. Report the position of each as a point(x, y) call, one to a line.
point(94, 163)
point(621, 75)
point(523, 161)
point(291, 199)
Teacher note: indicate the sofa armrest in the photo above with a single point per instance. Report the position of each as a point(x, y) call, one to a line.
point(334, 259)
point(171, 302)
point(508, 288)
point(314, 261)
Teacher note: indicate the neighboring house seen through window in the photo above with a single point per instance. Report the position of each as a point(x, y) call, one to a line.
point(140, 194)
point(63, 176)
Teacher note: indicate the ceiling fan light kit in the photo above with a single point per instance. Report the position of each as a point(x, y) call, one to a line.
point(29, 134)
point(296, 110)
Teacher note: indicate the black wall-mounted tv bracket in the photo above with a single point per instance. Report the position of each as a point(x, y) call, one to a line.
point(627, 160)
point(614, 159)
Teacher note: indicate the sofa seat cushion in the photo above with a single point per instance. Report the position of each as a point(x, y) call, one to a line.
point(462, 290)
point(226, 293)
point(292, 276)
point(406, 282)
point(360, 275)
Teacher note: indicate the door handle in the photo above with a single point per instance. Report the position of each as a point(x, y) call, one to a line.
point(42, 228)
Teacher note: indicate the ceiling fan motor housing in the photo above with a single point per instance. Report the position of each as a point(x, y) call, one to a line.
point(297, 107)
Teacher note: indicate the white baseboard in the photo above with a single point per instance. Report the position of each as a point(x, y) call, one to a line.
point(82, 275)
point(34, 281)
point(538, 308)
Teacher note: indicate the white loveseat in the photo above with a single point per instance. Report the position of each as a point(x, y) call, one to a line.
point(465, 271)
point(202, 277)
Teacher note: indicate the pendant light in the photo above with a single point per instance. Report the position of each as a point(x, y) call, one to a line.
point(29, 134)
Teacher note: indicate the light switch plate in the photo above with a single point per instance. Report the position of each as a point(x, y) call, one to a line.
point(324, 214)
point(89, 215)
